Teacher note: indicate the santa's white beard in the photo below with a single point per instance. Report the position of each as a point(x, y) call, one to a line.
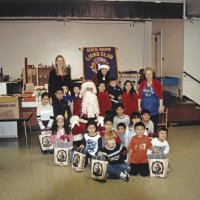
point(90, 106)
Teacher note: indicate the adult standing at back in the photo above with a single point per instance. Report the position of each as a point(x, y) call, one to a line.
point(150, 95)
point(59, 76)
point(103, 75)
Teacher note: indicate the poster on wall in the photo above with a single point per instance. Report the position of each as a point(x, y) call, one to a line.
point(93, 57)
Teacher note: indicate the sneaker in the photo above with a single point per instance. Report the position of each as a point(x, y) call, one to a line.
point(124, 176)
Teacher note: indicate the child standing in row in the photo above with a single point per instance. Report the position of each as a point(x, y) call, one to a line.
point(92, 141)
point(76, 91)
point(114, 92)
point(129, 98)
point(121, 130)
point(105, 104)
point(138, 147)
point(147, 121)
point(45, 114)
point(68, 98)
point(108, 126)
point(120, 116)
point(116, 154)
point(160, 143)
point(60, 106)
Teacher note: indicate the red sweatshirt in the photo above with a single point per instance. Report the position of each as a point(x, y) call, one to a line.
point(130, 103)
point(104, 102)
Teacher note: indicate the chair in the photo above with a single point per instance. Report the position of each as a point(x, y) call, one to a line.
point(163, 118)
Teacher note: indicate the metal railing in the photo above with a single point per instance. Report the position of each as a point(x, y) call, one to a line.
point(192, 77)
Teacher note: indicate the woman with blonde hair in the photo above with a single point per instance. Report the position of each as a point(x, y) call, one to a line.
point(59, 76)
point(150, 95)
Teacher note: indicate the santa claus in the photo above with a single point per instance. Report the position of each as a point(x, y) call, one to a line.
point(86, 107)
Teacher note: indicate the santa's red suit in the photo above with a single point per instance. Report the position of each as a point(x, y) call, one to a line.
point(86, 107)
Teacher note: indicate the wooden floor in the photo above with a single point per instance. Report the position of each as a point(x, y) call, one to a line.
point(33, 176)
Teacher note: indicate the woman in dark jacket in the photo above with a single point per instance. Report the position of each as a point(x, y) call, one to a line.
point(59, 76)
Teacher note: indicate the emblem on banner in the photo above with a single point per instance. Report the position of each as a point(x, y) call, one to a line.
point(97, 62)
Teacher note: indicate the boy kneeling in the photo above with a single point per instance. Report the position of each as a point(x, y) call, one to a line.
point(138, 147)
point(116, 154)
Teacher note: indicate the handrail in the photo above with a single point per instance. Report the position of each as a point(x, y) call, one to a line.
point(191, 77)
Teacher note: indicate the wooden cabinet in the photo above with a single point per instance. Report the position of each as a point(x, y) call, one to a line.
point(32, 75)
point(163, 118)
point(43, 75)
point(184, 112)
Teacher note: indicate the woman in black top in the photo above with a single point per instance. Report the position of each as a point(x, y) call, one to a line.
point(59, 76)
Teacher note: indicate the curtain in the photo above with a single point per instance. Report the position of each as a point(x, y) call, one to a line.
point(90, 9)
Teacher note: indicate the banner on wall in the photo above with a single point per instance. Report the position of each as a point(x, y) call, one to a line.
point(93, 57)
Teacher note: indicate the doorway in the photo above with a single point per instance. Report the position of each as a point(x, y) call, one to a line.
point(157, 53)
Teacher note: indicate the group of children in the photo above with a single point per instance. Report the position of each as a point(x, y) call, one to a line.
point(128, 138)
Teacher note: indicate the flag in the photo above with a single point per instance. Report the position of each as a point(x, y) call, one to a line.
point(93, 57)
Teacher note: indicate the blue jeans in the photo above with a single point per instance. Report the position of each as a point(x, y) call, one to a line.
point(115, 170)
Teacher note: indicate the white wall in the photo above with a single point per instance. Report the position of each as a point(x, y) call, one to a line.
point(41, 41)
point(192, 48)
point(191, 88)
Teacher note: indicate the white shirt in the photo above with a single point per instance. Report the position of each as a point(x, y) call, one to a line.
point(45, 113)
point(92, 143)
point(124, 119)
point(150, 127)
point(162, 146)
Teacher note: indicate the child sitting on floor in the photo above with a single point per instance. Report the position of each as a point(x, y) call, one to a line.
point(135, 117)
point(160, 143)
point(60, 134)
point(116, 154)
point(92, 141)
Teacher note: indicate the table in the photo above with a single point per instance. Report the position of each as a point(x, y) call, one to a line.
point(171, 81)
point(31, 107)
point(23, 117)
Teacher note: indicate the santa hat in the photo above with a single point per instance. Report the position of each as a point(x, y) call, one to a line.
point(104, 66)
point(86, 85)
